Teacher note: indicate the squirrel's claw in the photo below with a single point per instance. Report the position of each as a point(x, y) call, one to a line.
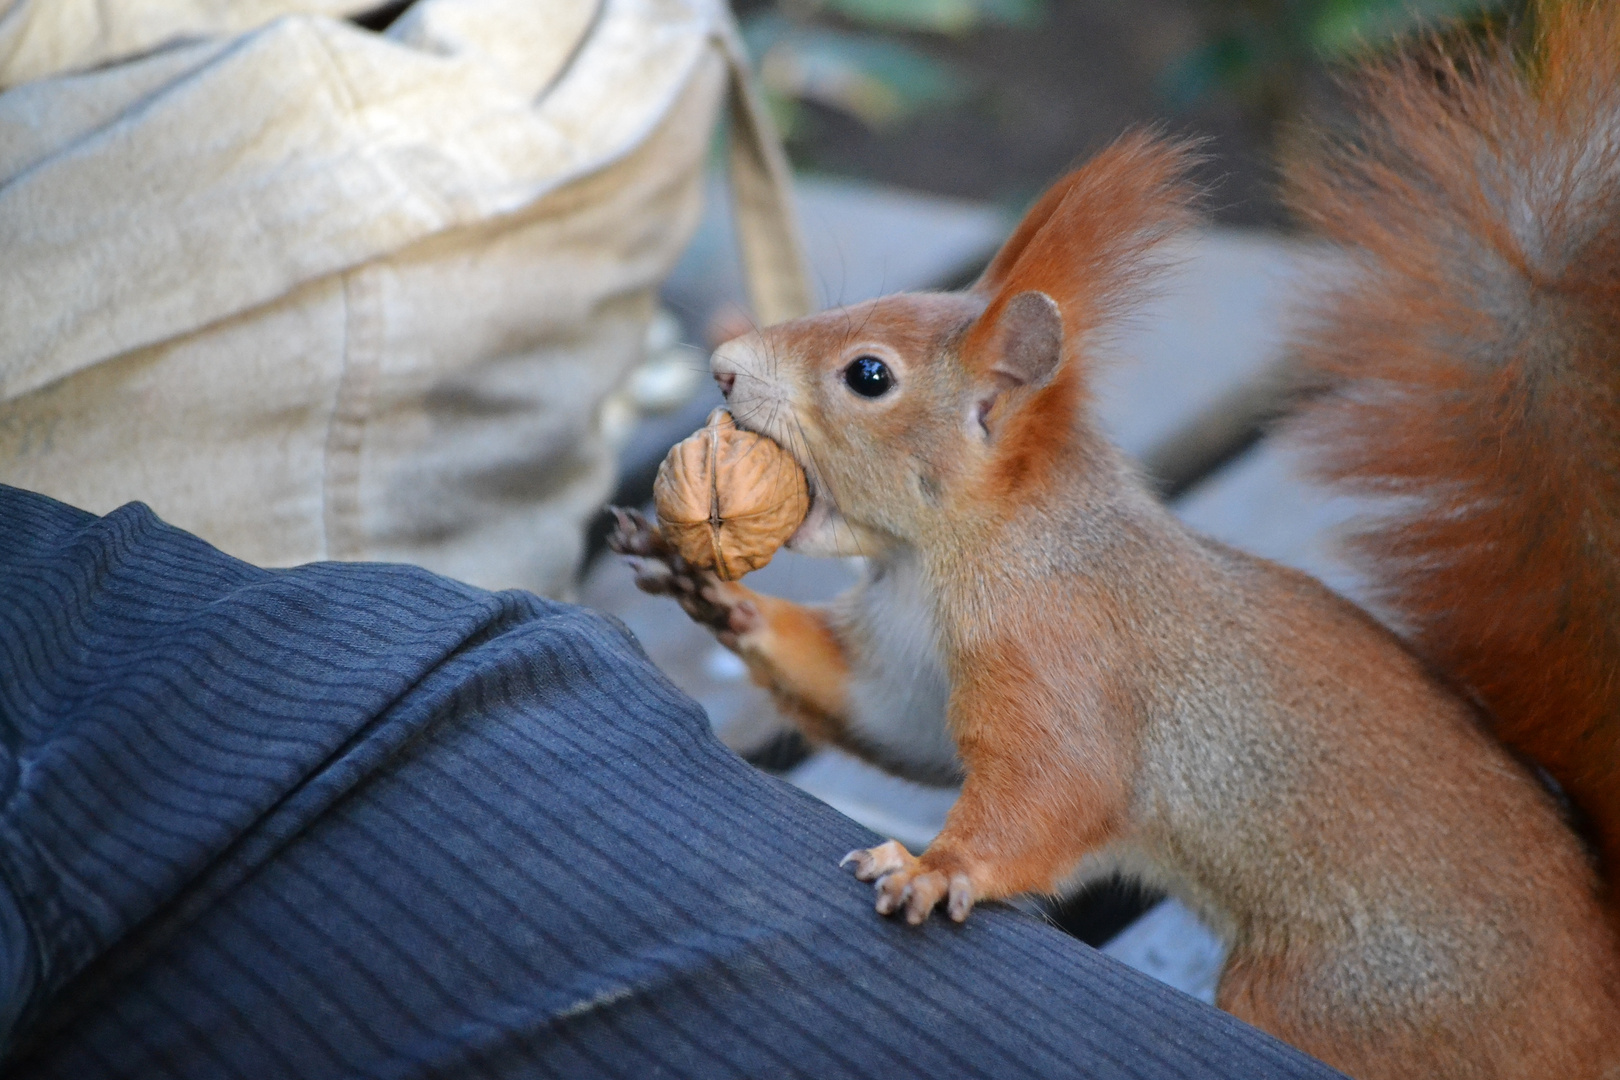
point(634, 535)
point(660, 570)
point(874, 863)
point(903, 883)
point(959, 901)
point(914, 891)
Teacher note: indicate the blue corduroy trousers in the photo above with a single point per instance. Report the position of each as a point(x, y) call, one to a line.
point(362, 821)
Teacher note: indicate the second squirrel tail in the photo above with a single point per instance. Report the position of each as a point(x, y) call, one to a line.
point(1468, 367)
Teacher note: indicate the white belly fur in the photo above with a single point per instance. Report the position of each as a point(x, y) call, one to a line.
point(898, 687)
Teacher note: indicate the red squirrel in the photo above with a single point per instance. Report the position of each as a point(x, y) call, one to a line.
point(1401, 895)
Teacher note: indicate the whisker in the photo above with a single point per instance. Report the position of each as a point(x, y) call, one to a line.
point(871, 310)
point(742, 419)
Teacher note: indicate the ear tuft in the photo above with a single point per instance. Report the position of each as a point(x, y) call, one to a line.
point(1027, 345)
point(1082, 256)
point(1098, 235)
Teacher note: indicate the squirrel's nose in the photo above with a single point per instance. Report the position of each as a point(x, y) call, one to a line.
point(726, 379)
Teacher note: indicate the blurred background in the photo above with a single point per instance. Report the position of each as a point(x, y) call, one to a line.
point(991, 99)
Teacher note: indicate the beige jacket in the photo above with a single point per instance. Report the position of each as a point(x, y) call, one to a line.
point(315, 292)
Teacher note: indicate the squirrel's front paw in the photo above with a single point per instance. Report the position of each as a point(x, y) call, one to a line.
point(904, 882)
point(661, 570)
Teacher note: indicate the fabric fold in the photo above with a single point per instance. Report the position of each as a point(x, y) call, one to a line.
point(325, 146)
point(357, 821)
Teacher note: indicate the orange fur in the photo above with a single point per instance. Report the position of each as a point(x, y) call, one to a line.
point(791, 651)
point(1400, 895)
point(1014, 830)
point(1088, 244)
point(1471, 365)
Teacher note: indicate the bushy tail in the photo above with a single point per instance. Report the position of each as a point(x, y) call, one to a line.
point(1469, 366)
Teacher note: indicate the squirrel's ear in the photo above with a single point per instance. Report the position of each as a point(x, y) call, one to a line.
point(1035, 219)
point(1024, 348)
point(1093, 240)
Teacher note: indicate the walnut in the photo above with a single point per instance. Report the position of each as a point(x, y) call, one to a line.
point(728, 498)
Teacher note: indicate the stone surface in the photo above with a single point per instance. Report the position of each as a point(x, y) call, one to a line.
point(1172, 945)
point(1214, 320)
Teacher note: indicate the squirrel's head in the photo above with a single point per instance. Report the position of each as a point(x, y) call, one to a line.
point(919, 409)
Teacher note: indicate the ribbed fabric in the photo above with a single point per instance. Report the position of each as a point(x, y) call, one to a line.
point(360, 821)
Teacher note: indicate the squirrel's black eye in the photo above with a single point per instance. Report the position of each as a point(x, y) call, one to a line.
point(868, 376)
